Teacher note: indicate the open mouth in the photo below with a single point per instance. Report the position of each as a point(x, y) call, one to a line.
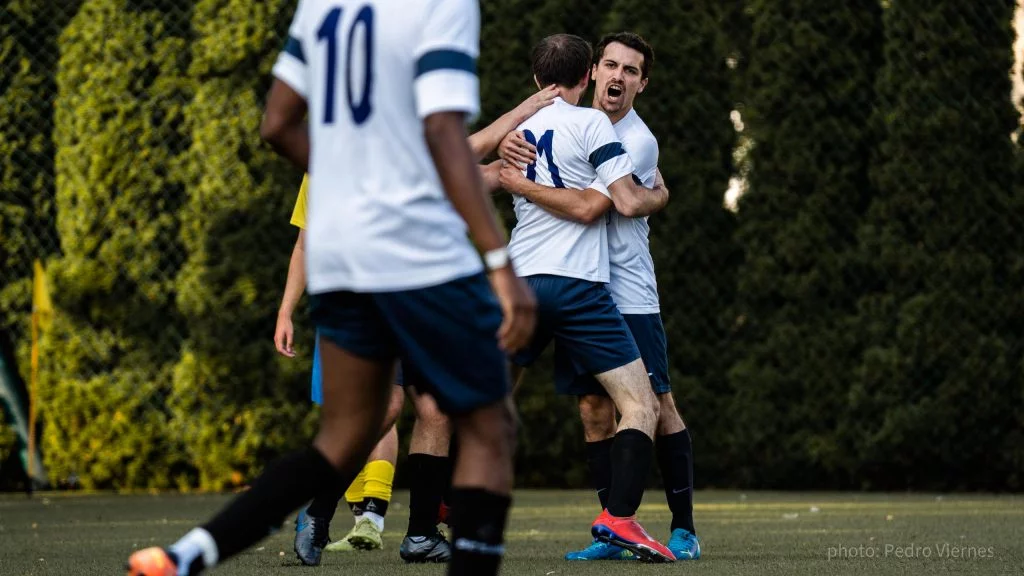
point(614, 91)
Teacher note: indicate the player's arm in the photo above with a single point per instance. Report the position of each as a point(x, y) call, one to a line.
point(616, 171)
point(583, 206)
point(631, 198)
point(487, 140)
point(284, 119)
point(293, 289)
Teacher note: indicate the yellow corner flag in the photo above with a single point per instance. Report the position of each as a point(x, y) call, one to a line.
point(42, 316)
point(42, 306)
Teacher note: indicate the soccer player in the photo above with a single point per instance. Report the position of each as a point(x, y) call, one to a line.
point(566, 263)
point(369, 495)
point(388, 86)
point(620, 73)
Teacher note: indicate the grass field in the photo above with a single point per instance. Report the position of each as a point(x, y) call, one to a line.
point(753, 533)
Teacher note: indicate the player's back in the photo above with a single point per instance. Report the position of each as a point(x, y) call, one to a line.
point(575, 146)
point(632, 280)
point(371, 71)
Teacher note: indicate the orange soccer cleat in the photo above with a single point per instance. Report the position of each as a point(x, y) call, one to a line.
point(152, 562)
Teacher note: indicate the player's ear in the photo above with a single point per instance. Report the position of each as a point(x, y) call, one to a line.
point(537, 82)
point(593, 72)
point(643, 84)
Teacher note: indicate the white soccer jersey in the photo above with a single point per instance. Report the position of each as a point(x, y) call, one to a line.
point(575, 146)
point(633, 284)
point(371, 71)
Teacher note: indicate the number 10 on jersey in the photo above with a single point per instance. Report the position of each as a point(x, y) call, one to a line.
point(328, 33)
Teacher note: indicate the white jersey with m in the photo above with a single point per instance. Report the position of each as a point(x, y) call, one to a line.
point(371, 71)
point(633, 284)
point(575, 147)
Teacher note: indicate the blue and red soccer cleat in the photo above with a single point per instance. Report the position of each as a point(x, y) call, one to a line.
point(629, 534)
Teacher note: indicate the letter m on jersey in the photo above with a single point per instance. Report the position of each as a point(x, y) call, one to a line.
point(544, 148)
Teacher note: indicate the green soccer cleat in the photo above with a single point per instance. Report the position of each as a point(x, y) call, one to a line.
point(365, 535)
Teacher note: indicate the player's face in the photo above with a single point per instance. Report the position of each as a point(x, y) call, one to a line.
point(617, 78)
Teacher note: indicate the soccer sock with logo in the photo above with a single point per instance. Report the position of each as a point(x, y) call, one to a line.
point(632, 452)
point(354, 494)
point(478, 531)
point(430, 476)
point(380, 476)
point(599, 462)
point(675, 459)
point(255, 513)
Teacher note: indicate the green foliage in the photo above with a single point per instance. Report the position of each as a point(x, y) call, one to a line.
point(121, 90)
point(937, 394)
point(234, 403)
point(28, 59)
point(807, 97)
point(8, 439)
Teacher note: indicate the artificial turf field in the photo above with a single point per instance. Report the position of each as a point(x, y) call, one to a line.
point(742, 533)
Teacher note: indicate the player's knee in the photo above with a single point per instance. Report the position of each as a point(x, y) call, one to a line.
point(598, 416)
point(493, 426)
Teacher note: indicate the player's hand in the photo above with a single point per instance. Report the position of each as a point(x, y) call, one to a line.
point(283, 335)
point(511, 178)
point(518, 307)
point(545, 97)
point(515, 150)
point(659, 180)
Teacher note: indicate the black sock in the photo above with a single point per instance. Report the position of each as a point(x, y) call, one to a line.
point(430, 476)
point(675, 459)
point(453, 454)
point(599, 461)
point(478, 531)
point(326, 502)
point(282, 487)
point(632, 452)
point(375, 506)
point(356, 508)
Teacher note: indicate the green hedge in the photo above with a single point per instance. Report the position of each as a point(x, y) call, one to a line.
point(808, 91)
point(856, 324)
point(119, 113)
point(937, 395)
point(234, 401)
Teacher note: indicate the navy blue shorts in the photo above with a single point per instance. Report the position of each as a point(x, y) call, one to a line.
point(582, 319)
point(648, 333)
point(448, 332)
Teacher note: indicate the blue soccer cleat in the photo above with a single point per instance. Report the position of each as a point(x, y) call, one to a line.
point(601, 551)
point(684, 544)
point(310, 538)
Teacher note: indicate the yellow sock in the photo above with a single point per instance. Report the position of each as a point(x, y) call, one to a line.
point(356, 489)
point(380, 475)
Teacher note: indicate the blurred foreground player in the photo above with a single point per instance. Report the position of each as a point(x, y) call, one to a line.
point(389, 266)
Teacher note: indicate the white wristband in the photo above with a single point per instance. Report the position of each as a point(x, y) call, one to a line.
point(496, 259)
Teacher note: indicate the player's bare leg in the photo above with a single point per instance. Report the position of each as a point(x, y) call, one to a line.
point(632, 451)
point(369, 496)
point(481, 487)
point(431, 468)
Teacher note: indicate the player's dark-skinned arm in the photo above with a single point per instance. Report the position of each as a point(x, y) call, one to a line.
point(446, 138)
point(485, 141)
point(583, 206)
point(284, 124)
point(633, 200)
